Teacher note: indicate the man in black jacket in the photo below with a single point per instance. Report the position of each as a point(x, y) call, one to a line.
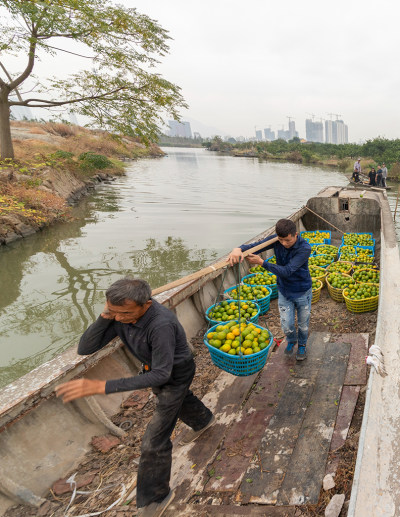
point(155, 336)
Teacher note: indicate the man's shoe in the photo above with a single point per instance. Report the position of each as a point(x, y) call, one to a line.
point(192, 435)
point(301, 353)
point(289, 348)
point(156, 509)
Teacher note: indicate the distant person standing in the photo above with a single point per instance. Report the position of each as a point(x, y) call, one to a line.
point(379, 176)
point(356, 171)
point(372, 177)
point(384, 175)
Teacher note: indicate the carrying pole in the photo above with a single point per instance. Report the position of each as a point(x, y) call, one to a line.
point(209, 269)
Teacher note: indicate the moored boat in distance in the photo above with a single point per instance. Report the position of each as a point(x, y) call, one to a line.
point(41, 439)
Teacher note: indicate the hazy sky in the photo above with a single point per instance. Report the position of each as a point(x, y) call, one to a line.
point(253, 63)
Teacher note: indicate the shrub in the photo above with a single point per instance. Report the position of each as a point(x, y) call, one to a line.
point(60, 129)
point(91, 161)
point(66, 155)
point(343, 165)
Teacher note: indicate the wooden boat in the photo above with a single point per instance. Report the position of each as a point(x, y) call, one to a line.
point(364, 183)
point(42, 440)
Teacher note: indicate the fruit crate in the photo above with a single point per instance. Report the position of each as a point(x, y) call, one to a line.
point(334, 250)
point(263, 303)
point(239, 365)
point(365, 305)
point(273, 287)
point(320, 256)
point(316, 293)
point(322, 274)
point(314, 233)
point(335, 293)
point(357, 233)
point(365, 281)
point(347, 258)
point(253, 319)
point(331, 267)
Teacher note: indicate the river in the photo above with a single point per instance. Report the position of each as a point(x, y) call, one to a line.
point(165, 218)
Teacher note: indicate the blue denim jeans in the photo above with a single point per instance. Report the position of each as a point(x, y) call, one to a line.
point(287, 311)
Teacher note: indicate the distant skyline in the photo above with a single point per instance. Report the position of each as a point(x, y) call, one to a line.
point(242, 66)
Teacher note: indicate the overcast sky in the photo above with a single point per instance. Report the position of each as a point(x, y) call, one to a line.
point(253, 63)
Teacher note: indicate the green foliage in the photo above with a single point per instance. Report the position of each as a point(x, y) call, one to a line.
point(117, 90)
point(65, 155)
point(91, 161)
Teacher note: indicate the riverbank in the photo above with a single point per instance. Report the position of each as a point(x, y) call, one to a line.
point(55, 165)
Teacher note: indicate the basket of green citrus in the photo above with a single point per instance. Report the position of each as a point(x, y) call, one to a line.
point(361, 297)
point(336, 283)
point(320, 260)
point(317, 273)
point(265, 279)
point(366, 276)
point(316, 290)
point(259, 294)
point(228, 310)
point(340, 267)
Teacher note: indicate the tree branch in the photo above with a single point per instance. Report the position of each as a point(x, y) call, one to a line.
point(49, 104)
point(28, 70)
point(10, 79)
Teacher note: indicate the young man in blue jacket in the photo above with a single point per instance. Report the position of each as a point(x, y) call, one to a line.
point(293, 279)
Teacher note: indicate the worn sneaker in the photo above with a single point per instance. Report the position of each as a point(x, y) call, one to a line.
point(289, 348)
point(192, 435)
point(301, 353)
point(156, 509)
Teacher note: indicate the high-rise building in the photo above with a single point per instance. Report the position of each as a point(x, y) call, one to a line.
point(342, 132)
point(258, 134)
point(181, 129)
point(268, 134)
point(336, 132)
point(314, 131)
point(292, 130)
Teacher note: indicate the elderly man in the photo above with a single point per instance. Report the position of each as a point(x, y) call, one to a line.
point(155, 336)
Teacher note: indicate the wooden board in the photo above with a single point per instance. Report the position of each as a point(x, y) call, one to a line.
point(201, 510)
point(357, 369)
point(305, 472)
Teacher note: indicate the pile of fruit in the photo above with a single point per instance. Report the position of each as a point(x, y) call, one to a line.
point(247, 292)
point(272, 259)
point(236, 339)
point(315, 240)
point(258, 269)
point(320, 260)
point(229, 310)
point(316, 272)
point(326, 249)
point(347, 249)
point(364, 255)
point(361, 291)
point(368, 276)
point(357, 267)
point(360, 239)
point(260, 279)
point(316, 284)
point(339, 267)
point(339, 280)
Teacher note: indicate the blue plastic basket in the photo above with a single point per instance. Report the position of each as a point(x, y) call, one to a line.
point(254, 319)
point(315, 233)
point(347, 258)
point(273, 287)
point(333, 255)
point(263, 303)
point(270, 258)
point(239, 365)
point(323, 255)
point(359, 233)
point(372, 248)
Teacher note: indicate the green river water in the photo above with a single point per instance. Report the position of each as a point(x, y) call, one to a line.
point(165, 218)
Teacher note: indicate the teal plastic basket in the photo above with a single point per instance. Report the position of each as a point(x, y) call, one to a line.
point(273, 287)
point(239, 365)
point(263, 303)
point(254, 319)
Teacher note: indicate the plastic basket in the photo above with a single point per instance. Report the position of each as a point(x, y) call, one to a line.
point(273, 287)
point(335, 293)
point(323, 252)
point(314, 233)
point(316, 293)
point(366, 305)
point(322, 276)
point(331, 267)
point(272, 259)
point(363, 281)
point(263, 303)
point(357, 233)
point(254, 319)
point(348, 258)
point(239, 365)
point(326, 265)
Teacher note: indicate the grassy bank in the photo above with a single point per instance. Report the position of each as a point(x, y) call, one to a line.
point(53, 162)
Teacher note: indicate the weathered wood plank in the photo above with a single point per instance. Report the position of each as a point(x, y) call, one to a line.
point(348, 402)
point(224, 399)
point(266, 470)
point(357, 369)
point(199, 510)
point(245, 436)
point(306, 468)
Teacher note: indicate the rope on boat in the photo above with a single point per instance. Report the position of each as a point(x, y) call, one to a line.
point(103, 418)
point(330, 224)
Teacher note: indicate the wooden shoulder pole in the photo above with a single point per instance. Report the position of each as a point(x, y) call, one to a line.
point(209, 269)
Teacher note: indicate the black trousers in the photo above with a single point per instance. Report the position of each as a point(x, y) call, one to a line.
point(174, 400)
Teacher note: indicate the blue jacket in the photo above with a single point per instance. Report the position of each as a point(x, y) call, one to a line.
point(291, 268)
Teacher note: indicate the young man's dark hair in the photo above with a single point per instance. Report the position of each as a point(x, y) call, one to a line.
point(285, 227)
